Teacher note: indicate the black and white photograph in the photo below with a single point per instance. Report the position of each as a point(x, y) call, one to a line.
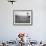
point(22, 16)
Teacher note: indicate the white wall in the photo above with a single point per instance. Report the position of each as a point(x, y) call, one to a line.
point(38, 30)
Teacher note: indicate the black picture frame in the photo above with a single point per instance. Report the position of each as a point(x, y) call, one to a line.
point(23, 20)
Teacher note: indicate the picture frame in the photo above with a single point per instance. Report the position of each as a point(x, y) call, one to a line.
point(22, 17)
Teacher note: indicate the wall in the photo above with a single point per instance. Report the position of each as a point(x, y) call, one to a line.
point(37, 31)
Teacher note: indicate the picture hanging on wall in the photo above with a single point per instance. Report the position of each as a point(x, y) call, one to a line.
point(22, 17)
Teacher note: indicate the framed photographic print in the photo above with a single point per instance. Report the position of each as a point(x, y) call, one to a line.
point(22, 17)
